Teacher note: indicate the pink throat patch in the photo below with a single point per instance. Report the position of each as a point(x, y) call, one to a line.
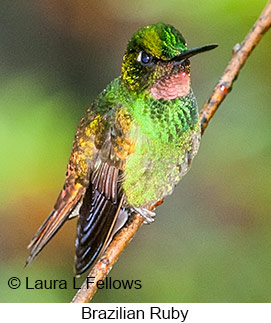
point(171, 87)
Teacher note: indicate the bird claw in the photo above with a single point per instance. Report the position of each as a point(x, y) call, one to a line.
point(148, 215)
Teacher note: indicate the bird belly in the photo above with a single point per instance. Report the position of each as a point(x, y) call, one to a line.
point(154, 169)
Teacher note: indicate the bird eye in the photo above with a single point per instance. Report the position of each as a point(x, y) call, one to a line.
point(144, 58)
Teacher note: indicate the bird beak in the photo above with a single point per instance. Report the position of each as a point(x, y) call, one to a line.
point(191, 52)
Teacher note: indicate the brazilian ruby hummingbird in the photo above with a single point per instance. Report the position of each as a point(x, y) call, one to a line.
point(133, 145)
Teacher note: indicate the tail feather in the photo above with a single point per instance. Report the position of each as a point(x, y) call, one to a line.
point(63, 208)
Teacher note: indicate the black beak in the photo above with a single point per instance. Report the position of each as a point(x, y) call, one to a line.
point(191, 52)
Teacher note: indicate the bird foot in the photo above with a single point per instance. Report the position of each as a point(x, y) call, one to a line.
point(146, 214)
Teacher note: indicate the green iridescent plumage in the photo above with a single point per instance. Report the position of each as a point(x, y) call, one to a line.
point(134, 144)
point(163, 131)
point(160, 40)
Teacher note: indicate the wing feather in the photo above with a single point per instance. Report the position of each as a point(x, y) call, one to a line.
point(98, 214)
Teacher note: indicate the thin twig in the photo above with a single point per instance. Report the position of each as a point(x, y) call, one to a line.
point(125, 235)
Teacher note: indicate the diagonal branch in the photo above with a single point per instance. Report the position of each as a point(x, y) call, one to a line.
point(241, 53)
point(240, 56)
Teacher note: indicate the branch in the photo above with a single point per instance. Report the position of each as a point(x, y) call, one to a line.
point(104, 265)
point(240, 56)
point(224, 86)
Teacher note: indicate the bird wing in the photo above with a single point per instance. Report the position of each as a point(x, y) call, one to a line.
point(103, 199)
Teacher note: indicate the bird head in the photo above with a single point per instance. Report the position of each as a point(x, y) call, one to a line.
point(156, 62)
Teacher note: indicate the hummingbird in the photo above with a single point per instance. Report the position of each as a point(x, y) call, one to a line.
point(133, 145)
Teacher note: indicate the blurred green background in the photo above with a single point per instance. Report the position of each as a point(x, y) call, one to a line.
point(211, 240)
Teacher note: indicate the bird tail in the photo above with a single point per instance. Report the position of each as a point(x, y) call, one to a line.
point(67, 202)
